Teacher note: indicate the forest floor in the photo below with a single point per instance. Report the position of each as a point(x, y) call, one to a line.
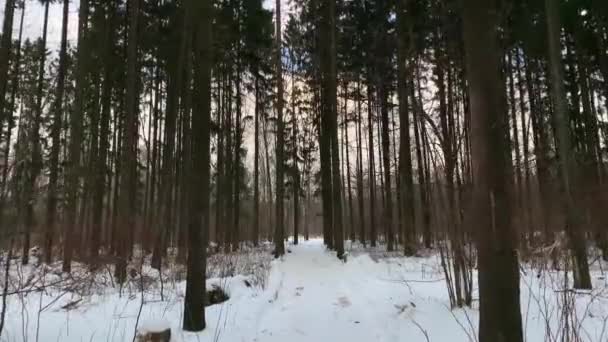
point(308, 295)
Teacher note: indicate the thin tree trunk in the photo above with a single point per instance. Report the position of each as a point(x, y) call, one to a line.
point(348, 175)
point(515, 140)
point(10, 119)
point(100, 168)
point(168, 160)
point(371, 170)
point(5, 53)
point(35, 158)
point(388, 201)
point(527, 198)
point(256, 163)
point(296, 178)
point(568, 169)
point(127, 195)
point(56, 126)
point(421, 165)
point(360, 196)
point(406, 183)
point(280, 190)
point(76, 129)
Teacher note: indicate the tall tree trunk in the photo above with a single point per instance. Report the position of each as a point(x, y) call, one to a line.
point(326, 179)
point(268, 176)
point(541, 146)
point(294, 156)
point(194, 303)
point(56, 127)
point(519, 196)
point(371, 170)
point(421, 168)
point(35, 158)
point(11, 118)
point(101, 167)
point(406, 183)
point(331, 115)
point(174, 85)
point(351, 216)
point(388, 201)
point(237, 157)
point(568, 169)
point(256, 162)
point(296, 173)
point(186, 145)
point(527, 198)
point(128, 177)
point(279, 233)
point(76, 129)
point(360, 196)
point(6, 43)
point(219, 179)
point(499, 302)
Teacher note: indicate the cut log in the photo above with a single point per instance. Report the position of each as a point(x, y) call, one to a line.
point(154, 331)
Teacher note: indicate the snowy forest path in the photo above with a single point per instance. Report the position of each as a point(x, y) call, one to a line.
point(316, 297)
point(310, 295)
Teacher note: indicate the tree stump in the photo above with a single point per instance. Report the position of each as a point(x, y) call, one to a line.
point(158, 331)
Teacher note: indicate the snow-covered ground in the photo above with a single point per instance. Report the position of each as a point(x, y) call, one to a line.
point(309, 295)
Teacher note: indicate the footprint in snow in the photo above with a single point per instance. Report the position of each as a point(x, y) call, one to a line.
point(343, 302)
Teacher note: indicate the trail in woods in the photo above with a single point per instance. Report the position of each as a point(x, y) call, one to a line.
point(308, 295)
point(312, 296)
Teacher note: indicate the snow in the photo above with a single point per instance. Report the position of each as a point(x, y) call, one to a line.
point(154, 326)
point(309, 296)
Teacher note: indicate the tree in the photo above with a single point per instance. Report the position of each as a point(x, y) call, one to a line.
point(5, 52)
point(57, 109)
point(198, 218)
point(15, 87)
point(175, 65)
point(330, 150)
point(405, 154)
point(128, 172)
point(499, 303)
point(567, 165)
point(76, 130)
point(34, 162)
point(280, 148)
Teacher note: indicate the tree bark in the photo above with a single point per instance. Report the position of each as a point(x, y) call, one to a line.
point(567, 166)
point(76, 129)
point(56, 126)
point(371, 169)
point(279, 233)
point(198, 218)
point(499, 302)
point(331, 115)
point(256, 162)
point(35, 158)
point(6, 52)
point(406, 183)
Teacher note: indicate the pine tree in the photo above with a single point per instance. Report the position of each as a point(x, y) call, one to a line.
point(567, 167)
point(198, 220)
point(76, 132)
point(499, 302)
point(57, 109)
point(279, 234)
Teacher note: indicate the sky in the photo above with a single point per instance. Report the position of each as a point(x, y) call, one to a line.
point(34, 15)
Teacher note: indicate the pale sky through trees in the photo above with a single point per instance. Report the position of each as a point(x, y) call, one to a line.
point(34, 13)
point(32, 28)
